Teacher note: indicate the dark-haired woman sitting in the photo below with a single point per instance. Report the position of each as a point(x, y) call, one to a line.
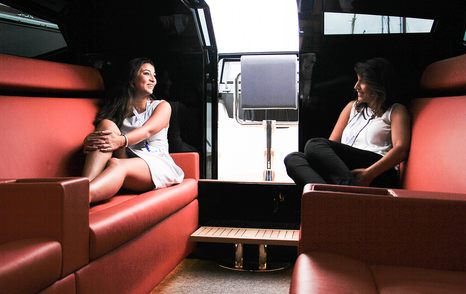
point(369, 140)
point(129, 147)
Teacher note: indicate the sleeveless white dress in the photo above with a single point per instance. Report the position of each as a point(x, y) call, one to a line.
point(369, 132)
point(154, 150)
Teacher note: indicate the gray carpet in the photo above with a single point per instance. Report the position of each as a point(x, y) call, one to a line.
point(195, 276)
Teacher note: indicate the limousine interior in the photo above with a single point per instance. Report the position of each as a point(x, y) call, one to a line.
point(236, 223)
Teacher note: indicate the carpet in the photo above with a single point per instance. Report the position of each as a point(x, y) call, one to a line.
point(196, 276)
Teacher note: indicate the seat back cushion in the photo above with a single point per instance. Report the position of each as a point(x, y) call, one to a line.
point(42, 137)
point(437, 157)
point(28, 74)
point(448, 75)
point(42, 126)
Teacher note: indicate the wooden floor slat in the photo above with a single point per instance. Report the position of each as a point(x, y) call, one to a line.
point(246, 236)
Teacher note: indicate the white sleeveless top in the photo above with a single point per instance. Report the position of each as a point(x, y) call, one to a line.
point(369, 132)
point(154, 150)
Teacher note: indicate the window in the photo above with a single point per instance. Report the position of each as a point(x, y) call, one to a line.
point(352, 23)
point(230, 94)
point(255, 25)
point(252, 27)
point(25, 35)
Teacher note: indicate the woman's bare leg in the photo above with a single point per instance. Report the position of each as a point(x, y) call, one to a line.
point(130, 173)
point(96, 160)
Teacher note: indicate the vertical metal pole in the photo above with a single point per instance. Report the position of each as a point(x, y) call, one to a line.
point(262, 256)
point(238, 255)
point(268, 173)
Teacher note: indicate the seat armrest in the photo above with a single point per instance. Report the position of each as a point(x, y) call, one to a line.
point(56, 209)
point(188, 162)
point(391, 227)
point(348, 189)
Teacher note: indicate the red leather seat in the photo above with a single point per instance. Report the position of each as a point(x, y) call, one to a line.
point(131, 215)
point(318, 272)
point(30, 265)
point(127, 244)
point(411, 240)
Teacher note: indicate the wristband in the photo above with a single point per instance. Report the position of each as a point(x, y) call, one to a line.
point(126, 140)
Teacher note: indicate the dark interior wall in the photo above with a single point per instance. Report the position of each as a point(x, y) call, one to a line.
point(180, 81)
point(161, 30)
point(334, 77)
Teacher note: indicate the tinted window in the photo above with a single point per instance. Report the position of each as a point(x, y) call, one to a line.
point(23, 34)
point(352, 23)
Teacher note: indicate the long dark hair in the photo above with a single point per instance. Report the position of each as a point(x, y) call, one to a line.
point(117, 104)
point(379, 75)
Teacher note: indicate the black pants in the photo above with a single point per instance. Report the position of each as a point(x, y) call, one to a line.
point(329, 162)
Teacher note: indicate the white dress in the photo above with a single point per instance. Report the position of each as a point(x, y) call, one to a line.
point(154, 150)
point(369, 132)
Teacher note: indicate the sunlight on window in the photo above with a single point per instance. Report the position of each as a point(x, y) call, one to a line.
point(255, 25)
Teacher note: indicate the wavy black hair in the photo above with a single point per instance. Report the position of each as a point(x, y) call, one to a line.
point(379, 75)
point(117, 103)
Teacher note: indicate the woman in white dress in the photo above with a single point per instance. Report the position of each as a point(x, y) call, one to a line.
point(129, 147)
point(370, 139)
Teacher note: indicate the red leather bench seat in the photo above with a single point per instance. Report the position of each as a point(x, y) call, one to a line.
point(38, 259)
point(47, 110)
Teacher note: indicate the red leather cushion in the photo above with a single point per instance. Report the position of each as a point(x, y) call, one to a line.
point(44, 135)
point(56, 209)
point(189, 163)
point(67, 285)
point(447, 74)
point(19, 73)
point(417, 280)
point(437, 157)
point(27, 266)
point(317, 272)
point(140, 264)
point(115, 224)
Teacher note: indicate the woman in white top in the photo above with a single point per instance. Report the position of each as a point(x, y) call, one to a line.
point(129, 147)
point(369, 140)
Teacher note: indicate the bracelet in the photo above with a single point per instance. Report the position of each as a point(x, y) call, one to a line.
point(126, 140)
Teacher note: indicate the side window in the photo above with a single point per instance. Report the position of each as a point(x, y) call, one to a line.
point(25, 35)
point(358, 24)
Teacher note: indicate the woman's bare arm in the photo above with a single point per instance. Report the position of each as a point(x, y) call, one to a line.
point(341, 123)
point(401, 138)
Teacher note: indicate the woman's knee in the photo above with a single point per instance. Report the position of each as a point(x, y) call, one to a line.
point(107, 124)
point(129, 166)
point(313, 144)
point(290, 159)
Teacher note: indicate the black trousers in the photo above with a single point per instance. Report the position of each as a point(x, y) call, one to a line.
point(328, 162)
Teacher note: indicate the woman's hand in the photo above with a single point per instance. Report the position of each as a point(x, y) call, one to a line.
point(363, 177)
point(104, 141)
